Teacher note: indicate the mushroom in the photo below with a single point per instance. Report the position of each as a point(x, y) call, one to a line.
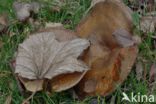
point(109, 62)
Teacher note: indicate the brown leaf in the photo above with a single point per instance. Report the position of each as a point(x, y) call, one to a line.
point(148, 24)
point(64, 81)
point(151, 5)
point(139, 71)
point(23, 9)
point(67, 71)
point(8, 100)
point(152, 74)
point(42, 56)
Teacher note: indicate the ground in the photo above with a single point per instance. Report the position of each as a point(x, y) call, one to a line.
point(18, 30)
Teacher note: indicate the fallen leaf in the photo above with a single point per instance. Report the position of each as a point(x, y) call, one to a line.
point(151, 5)
point(124, 38)
point(42, 50)
point(64, 81)
point(56, 55)
point(152, 74)
point(139, 70)
point(8, 100)
point(148, 24)
point(23, 10)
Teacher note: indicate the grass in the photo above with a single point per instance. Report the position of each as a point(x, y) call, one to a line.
point(8, 84)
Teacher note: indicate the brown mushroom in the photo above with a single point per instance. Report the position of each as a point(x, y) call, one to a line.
point(110, 63)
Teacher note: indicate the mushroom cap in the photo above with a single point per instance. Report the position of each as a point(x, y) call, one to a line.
point(111, 64)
